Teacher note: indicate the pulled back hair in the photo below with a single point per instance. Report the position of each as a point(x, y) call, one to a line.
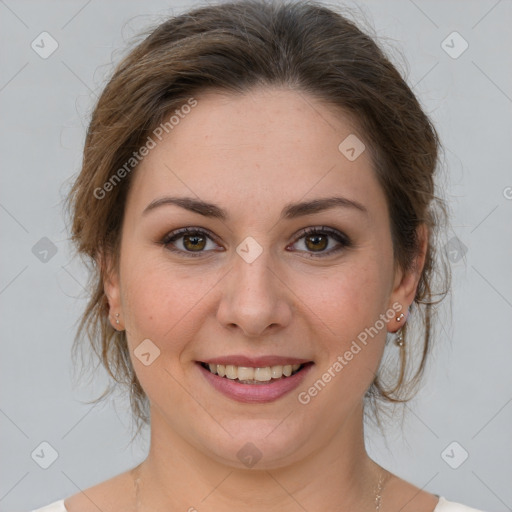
point(233, 47)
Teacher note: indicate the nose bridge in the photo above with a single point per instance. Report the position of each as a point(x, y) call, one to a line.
point(254, 274)
point(255, 298)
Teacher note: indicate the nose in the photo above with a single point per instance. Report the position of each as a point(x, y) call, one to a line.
point(255, 298)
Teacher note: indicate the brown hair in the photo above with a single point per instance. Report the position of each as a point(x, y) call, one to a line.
point(232, 47)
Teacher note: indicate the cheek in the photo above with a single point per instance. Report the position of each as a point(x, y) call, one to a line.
point(161, 300)
point(160, 306)
point(354, 297)
point(146, 300)
point(353, 303)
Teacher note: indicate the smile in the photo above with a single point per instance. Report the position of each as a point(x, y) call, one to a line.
point(254, 384)
point(248, 375)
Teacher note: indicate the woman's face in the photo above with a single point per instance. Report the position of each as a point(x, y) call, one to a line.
point(246, 287)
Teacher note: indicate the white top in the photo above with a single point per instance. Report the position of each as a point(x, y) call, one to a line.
point(442, 506)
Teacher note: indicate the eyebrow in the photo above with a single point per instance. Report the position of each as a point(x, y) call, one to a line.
point(290, 211)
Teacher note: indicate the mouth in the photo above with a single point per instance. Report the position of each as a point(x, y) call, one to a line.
point(254, 381)
point(253, 375)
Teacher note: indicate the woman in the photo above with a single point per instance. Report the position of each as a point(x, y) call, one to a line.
point(257, 194)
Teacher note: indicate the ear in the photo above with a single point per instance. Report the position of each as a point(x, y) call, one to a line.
point(406, 282)
point(111, 287)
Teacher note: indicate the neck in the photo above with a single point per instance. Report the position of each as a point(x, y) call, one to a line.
point(337, 475)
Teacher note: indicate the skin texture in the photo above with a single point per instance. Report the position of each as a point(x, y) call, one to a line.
point(253, 154)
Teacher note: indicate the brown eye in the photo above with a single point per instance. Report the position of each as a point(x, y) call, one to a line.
point(194, 242)
point(189, 242)
point(316, 242)
point(323, 241)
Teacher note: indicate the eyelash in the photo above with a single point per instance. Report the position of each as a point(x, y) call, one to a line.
point(341, 238)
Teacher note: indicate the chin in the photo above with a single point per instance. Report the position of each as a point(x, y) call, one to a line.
point(260, 443)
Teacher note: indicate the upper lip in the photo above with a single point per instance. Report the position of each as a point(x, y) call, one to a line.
point(255, 362)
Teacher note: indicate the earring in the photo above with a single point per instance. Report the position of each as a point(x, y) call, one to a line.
point(117, 318)
point(399, 340)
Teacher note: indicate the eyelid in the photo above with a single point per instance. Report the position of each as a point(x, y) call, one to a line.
point(188, 230)
point(324, 230)
point(342, 239)
point(172, 236)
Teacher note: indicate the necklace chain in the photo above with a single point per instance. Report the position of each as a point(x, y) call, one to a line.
point(378, 493)
point(136, 481)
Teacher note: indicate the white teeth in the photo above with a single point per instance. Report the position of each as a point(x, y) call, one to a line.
point(231, 372)
point(262, 374)
point(245, 373)
point(276, 371)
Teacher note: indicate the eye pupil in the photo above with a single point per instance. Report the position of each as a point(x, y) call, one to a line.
point(197, 242)
point(316, 244)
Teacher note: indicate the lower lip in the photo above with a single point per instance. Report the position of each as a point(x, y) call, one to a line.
point(255, 393)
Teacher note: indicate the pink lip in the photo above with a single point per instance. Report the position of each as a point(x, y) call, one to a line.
point(255, 393)
point(255, 362)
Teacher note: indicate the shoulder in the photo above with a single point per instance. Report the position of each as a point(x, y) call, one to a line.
point(406, 497)
point(56, 506)
point(450, 506)
point(401, 495)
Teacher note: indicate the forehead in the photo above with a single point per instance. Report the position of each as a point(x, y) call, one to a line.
point(267, 145)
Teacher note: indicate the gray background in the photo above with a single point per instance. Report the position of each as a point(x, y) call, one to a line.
point(44, 106)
